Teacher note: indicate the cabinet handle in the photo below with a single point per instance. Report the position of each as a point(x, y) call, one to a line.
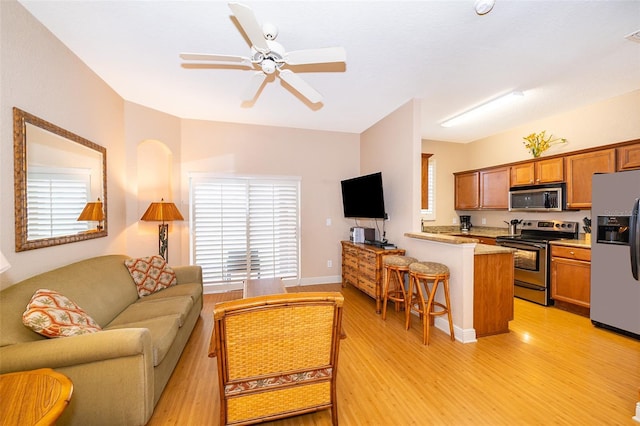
point(572, 253)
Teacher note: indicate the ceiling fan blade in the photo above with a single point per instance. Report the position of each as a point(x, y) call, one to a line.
point(254, 86)
point(250, 25)
point(316, 56)
point(215, 58)
point(301, 86)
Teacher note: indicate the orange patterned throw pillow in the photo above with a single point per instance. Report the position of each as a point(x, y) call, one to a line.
point(53, 315)
point(150, 274)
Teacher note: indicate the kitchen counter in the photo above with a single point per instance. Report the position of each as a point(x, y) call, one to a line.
point(480, 249)
point(581, 242)
point(480, 231)
point(481, 280)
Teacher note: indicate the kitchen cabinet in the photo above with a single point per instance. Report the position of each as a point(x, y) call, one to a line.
point(571, 277)
point(628, 157)
point(362, 268)
point(580, 168)
point(492, 293)
point(467, 191)
point(485, 189)
point(538, 172)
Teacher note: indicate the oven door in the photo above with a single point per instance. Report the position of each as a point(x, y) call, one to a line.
point(530, 274)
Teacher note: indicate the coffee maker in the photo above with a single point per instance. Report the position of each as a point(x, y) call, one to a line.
point(465, 223)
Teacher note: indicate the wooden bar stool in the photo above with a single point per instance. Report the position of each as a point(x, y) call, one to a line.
point(423, 300)
point(395, 268)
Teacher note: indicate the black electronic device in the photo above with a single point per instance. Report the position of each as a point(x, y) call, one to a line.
point(362, 197)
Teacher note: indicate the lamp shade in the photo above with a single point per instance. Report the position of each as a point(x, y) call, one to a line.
point(4, 263)
point(162, 212)
point(92, 211)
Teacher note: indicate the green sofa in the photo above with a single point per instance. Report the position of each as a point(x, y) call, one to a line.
point(118, 373)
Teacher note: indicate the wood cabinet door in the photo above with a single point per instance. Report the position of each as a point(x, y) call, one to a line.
point(580, 169)
point(494, 188)
point(571, 281)
point(467, 191)
point(549, 171)
point(523, 174)
point(629, 157)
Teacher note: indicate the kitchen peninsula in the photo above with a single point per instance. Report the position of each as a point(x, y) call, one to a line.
point(481, 282)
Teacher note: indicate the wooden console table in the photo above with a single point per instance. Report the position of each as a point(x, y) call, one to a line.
point(362, 268)
point(36, 397)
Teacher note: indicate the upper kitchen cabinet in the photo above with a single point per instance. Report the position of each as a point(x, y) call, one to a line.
point(467, 191)
point(580, 168)
point(629, 157)
point(538, 172)
point(485, 189)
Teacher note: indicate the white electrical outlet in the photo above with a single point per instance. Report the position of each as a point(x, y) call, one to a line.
point(455, 221)
point(484, 220)
point(329, 264)
point(328, 221)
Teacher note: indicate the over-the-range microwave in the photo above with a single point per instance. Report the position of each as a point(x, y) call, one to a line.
point(538, 198)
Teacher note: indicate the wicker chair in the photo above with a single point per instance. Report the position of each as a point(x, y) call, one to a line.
point(277, 355)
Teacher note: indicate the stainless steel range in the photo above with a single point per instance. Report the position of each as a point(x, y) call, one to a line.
point(532, 256)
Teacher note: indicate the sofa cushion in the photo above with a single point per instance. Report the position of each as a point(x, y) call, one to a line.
point(193, 290)
point(163, 330)
point(148, 309)
point(51, 314)
point(150, 274)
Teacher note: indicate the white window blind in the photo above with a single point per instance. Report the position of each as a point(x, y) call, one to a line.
point(245, 228)
point(430, 213)
point(55, 199)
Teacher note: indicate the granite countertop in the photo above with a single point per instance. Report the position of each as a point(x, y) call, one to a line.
point(581, 242)
point(480, 249)
point(479, 231)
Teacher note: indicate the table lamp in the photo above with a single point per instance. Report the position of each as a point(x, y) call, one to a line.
point(162, 212)
point(93, 212)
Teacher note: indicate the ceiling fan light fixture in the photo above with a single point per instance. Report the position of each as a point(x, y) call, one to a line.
point(268, 66)
point(484, 6)
point(483, 109)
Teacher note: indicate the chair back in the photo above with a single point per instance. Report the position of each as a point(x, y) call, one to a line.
point(277, 355)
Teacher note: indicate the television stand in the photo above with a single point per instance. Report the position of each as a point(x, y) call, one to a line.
point(380, 244)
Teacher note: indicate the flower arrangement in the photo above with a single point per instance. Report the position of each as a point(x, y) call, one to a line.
point(538, 143)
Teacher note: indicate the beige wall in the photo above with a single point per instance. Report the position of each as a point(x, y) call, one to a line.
point(610, 121)
point(152, 177)
point(321, 159)
point(41, 76)
point(392, 146)
point(448, 157)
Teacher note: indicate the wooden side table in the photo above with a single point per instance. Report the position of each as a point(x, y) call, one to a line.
point(36, 397)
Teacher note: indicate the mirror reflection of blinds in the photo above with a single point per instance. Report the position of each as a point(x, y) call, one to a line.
point(54, 202)
point(245, 228)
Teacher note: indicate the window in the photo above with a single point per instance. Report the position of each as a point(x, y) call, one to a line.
point(245, 228)
point(70, 190)
point(428, 187)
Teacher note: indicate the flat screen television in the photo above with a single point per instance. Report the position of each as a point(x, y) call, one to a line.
point(362, 197)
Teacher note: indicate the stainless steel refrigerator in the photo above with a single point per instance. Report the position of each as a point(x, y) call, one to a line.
point(615, 256)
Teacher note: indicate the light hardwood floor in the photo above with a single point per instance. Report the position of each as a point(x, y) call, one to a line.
point(553, 367)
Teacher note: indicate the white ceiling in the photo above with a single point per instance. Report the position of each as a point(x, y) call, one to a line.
point(562, 54)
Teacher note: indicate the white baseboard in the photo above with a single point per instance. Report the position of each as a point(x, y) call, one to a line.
point(467, 335)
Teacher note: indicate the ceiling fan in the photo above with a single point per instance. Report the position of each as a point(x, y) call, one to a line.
point(269, 57)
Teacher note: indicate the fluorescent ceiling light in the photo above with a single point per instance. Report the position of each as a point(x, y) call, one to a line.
point(483, 109)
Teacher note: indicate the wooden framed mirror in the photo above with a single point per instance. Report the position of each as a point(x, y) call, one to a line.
point(56, 173)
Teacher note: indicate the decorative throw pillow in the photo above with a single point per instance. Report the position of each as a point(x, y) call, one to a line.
point(151, 274)
point(53, 315)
